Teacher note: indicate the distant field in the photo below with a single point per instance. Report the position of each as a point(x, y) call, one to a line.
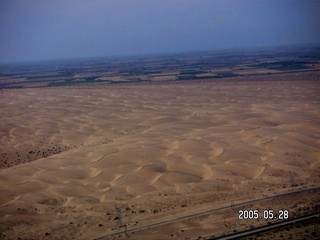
point(50, 76)
point(190, 67)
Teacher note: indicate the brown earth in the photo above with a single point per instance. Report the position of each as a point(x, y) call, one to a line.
point(71, 157)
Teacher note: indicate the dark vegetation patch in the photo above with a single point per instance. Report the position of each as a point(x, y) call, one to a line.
point(71, 82)
point(284, 65)
point(92, 80)
point(191, 72)
point(21, 156)
point(64, 75)
point(136, 72)
point(195, 77)
point(49, 201)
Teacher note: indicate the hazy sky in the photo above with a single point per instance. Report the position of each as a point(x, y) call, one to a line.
point(53, 29)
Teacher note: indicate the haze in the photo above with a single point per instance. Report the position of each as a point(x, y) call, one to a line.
point(39, 30)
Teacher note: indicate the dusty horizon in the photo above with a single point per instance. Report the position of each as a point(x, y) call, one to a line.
point(37, 30)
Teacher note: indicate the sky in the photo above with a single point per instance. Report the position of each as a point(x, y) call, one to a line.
point(61, 29)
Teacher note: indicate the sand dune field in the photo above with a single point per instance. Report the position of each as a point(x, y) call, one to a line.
point(77, 162)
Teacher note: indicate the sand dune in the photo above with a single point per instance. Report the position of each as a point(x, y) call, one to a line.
point(70, 156)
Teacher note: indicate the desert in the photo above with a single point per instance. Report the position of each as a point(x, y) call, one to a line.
point(99, 161)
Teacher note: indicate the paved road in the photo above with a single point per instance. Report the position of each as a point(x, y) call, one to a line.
point(189, 214)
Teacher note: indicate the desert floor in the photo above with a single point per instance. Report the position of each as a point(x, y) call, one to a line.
point(81, 162)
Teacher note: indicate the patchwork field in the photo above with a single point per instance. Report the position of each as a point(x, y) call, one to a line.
point(84, 161)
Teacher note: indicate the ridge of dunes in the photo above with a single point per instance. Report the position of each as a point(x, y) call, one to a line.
point(70, 156)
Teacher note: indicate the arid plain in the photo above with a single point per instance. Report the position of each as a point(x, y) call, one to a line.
point(85, 161)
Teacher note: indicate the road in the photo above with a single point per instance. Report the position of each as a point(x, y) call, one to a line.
point(192, 213)
point(269, 227)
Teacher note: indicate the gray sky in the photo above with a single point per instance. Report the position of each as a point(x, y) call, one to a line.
point(55, 29)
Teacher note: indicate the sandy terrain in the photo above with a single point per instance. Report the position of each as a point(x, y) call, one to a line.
point(77, 162)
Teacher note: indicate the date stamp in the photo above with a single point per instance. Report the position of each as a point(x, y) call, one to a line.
point(267, 214)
